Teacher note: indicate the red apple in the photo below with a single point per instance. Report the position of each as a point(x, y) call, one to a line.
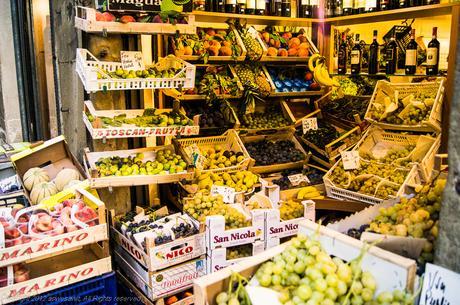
point(308, 76)
point(127, 19)
point(108, 16)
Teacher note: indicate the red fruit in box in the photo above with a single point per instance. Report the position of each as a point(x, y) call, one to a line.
point(12, 233)
point(99, 16)
point(315, 86)
point(21, 275)
point(308, 76)
point(108, 16)
point(127, 19)
point(157, 19)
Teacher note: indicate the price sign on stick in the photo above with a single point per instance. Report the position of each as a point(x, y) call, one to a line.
point(228, 193)
point(440, 286)
point(350, 159)
point(297, 179)
point(309, 123)
point(199, 161)
point(132, 60)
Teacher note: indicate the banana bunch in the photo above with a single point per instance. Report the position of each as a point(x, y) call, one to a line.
point(317, 65)
point(309, 192)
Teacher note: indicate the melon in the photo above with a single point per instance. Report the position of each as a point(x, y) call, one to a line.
point(72, 183)
point(34, 176)
point(65, 176)
point(41, 191)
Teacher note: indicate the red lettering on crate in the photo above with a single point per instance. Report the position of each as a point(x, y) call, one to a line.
point(179, 252)
point(131, 249)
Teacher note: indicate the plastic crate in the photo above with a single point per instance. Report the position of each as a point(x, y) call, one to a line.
point(402, 34)
point(97, 291)
point(88, 67)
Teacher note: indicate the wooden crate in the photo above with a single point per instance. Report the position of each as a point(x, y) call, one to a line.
point(90, 159)
point(218, 58)
point(55, 245)
point(287, 135)
point(332, 150)
point(85, 20)
point(59, 271)
point(52, 156)
point(391, 271)
point(229, 141)
point(129, 130)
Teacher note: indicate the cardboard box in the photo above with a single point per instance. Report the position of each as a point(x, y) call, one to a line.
point(217, 259)
point(53, 156)
point(157, 284)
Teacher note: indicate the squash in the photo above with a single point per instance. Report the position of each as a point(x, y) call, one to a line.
point(65, 176)
point(41, 191)
point(34, 176)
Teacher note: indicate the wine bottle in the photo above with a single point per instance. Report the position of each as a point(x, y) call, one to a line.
point(411, 55)
point(347, 7)
point(275, 7)
point(260, 7)
point(220, 6)
point(342, 56)
point(402, 3)
point(359, 7)
point(210, 6)
point(391, 56)
point(432, 54)
point(371, 6)
point(330, 8)
point(356, 57)
point(230, 6)
point(338, 8)
point(305, 9)
point(374, 55)
point(250, 7)
point(385, 5)
point(286, 8)
point(314, 8)
point(429, 2)
point(241, 7)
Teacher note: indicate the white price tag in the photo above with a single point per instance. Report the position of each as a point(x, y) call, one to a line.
point(228, 193)
point(440, 286)
point(309, 123)
point(199, 160)
point(297, 179)
point(350, 159)
point(132, 60)
point(192, 149)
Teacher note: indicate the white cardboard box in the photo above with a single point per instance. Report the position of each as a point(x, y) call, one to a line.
point(217, 259)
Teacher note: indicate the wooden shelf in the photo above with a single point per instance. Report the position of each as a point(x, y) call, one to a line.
point(410, 12)
point(298, 94)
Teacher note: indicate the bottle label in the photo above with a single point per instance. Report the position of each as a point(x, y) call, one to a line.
point(230, 2)
point(362, 3)
point(242, 2)
point(432, 56)
point(348, 4)
point(260, 4)
point(305, 2)
point(411, 57)
point(314, 2)
point(251, 4)
point(341, 56)
point(390, 55)
point(371, 4)
point(355, 57)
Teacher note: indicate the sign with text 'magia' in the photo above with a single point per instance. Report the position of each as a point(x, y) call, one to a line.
point(146, 5)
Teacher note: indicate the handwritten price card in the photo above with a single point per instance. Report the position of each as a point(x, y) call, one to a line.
point(227, 193)
point(350, 159)
point(440, 286)
point(297, 179)
point(309, 124)
point(132, 60)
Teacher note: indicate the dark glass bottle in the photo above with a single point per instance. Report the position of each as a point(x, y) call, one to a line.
point(260, 7)
point(330, 8)
point(429, 2)
point(276, 7)
point(411, 55)
point(338, 8)
point(432, 54)
point(372, 6)
point(250, 7)
point(241, 7)
point(305, 9)
point(314, 8)
point(402, 3)
point(342, 56)
point(230, 6)
point(359, 7)
point(356, 57)
point(220, 6)
point(385, 5)
point(286, 8)
point(374, 55)
point(391, 56)
point(347, 7)
point(210, 6)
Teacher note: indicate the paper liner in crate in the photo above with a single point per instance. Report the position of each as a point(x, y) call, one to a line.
point(94, 76)
point(406, 246)
point(385, 100)
point(217, 236)
point(217, 258)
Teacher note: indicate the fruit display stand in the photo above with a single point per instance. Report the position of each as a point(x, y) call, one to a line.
point(211, 34)
point(229, 141)
point(93, 75)
point(378, 142)
point(157, 257)
point(98, 130)
point(351, 120)
point(98, 181)
point(277, 228)
point(52, 157)
point(58, 271)
point(86, 20)
point(347, 138)
point(219, 258)
point(383, 264)
point(285, 135)
point(27, 246)
point(388, 91)
point(163, 283)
